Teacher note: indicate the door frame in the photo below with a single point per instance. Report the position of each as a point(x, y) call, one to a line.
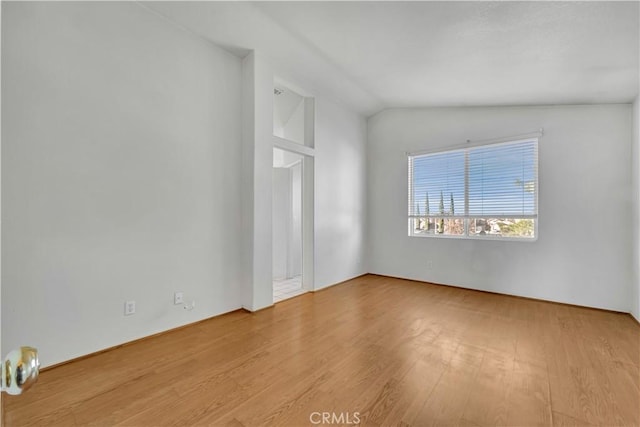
point(307, 166)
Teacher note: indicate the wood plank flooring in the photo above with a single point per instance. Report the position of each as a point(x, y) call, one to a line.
point(396, 352)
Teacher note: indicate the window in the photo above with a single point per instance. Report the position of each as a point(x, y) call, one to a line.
point(487, 191)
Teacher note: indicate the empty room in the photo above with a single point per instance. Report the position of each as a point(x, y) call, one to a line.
point(320, 213)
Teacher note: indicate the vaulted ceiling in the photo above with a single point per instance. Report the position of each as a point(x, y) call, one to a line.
point(377, 55)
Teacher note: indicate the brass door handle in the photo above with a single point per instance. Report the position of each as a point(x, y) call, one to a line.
point(20, 370)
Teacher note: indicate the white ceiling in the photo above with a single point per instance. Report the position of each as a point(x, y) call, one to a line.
point(376, 55)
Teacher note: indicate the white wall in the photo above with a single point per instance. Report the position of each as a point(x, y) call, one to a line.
point(288, 115)
point(287, 221)
point(635, 177)
point(340, 217)
point(247, 179)
point(339, 167)
point(1, 351)
point(294, 128)
point(294, 259)
point(581, 255)
point(257, 164)
point(280, 219)
point(120, 175)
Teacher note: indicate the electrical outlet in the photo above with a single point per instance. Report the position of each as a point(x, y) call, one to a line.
point(129, 308)
point(178, 298)
point(429, 264)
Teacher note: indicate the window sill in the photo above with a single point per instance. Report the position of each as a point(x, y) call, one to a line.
point(485, 237)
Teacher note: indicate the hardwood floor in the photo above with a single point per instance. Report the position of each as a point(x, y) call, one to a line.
point(376, 350)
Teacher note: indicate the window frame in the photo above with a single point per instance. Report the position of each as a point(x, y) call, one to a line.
point(466, 217)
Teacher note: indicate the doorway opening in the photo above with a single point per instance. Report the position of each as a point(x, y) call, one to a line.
point(287, 219)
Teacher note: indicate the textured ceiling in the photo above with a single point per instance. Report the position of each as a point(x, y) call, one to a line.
point(376, 55)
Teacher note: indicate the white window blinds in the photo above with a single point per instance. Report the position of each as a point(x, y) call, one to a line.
point(437, 184)
point(497, 182)
point(503, 180)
